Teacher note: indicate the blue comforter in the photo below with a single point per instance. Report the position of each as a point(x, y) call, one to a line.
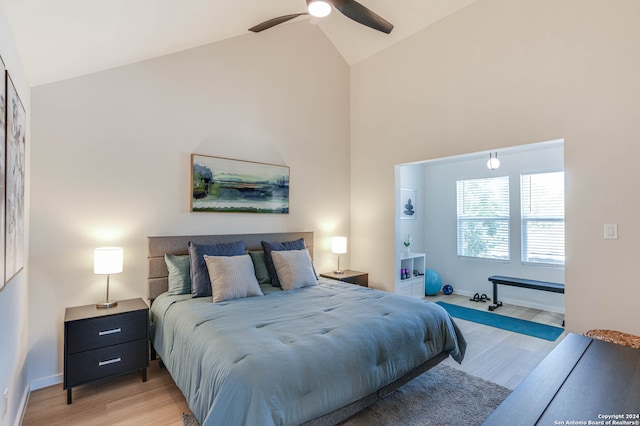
point(289, 357)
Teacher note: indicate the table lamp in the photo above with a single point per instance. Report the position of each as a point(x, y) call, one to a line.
point(339, 246)
point(107, 261)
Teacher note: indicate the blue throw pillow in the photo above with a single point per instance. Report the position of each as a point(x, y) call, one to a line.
point(281, 246)
point(200, 281)
point(179, 274)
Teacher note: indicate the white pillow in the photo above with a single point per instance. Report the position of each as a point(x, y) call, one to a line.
point(294, 269)
point(232, 277)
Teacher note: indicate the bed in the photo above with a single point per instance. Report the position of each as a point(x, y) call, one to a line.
point(314, 355)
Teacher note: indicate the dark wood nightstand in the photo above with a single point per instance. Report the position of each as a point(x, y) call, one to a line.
point(101, 343)
point(349, 276)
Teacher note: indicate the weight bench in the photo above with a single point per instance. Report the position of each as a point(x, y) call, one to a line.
point(523, 283)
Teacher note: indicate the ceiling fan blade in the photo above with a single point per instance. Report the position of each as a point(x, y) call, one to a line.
point(354, 10)
point(274, 21)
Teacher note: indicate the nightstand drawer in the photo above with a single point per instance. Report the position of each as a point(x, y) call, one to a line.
point(105, 362)
point(99, 332)
point(361, 280)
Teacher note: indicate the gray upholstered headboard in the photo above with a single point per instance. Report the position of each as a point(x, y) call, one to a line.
point(158, 246)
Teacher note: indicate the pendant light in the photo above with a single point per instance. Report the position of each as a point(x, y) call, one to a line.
point(493, 162)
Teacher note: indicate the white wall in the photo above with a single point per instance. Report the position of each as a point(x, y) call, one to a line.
point(510, 72)
point(14, 296)
point(111, 156)
point(469, 276)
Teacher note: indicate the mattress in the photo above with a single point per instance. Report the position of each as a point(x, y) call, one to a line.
point(291, 356)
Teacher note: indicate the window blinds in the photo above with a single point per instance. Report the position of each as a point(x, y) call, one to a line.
point(542, 204)
point(483, 218)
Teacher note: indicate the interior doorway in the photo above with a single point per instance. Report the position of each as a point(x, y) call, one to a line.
point(433, 223)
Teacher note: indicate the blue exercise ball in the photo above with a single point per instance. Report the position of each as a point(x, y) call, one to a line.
point(432, 282)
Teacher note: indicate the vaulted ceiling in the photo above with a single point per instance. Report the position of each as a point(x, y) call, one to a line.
point(59, 39)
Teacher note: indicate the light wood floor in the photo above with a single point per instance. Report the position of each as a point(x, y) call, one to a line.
point(501, 356)
point(496, 355)
point(124, 400)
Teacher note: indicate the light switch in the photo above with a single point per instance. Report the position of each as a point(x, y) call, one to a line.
point(610, 231)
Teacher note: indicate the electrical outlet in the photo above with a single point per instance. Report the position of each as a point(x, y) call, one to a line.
point(5, 402)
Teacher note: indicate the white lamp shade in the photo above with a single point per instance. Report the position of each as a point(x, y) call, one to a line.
point(108, 260)
point(339, 245)
point(319, 8)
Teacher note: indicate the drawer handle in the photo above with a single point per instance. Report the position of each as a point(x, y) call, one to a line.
point(110, 361)
point(106, 332)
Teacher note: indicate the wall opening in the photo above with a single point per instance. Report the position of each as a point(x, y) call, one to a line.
point(434, 225)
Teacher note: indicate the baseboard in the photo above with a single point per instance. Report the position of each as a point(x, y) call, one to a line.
point(23, 406)
point(45, 382)
point(518, 302)
point(35, 385)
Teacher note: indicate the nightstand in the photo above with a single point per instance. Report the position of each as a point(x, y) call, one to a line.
point(349, 276)
point(101, 343)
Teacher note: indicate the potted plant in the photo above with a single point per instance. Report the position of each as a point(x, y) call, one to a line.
point(407, 243)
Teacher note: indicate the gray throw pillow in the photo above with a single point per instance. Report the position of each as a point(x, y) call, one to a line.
point(200, 281)
point(232, 277)
point(294, 269)
point(179, 274)
point(269, 247)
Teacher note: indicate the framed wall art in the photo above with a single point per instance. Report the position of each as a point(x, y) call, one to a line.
point(407, 203)
point(3, 133)
point(236, 186)
point(15, 152)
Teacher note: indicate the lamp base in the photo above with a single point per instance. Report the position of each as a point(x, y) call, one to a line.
point(105, 305)
point(339, 271)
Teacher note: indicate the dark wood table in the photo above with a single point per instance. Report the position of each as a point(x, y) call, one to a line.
point(581, 380)
point(101, 343)
point(349, 276)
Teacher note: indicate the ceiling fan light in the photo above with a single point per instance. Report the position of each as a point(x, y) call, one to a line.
point(319, 8)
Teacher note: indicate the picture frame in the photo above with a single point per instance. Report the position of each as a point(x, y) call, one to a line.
point(408, 203)
point(226, 185)
point(3, 136)
point(16, 123)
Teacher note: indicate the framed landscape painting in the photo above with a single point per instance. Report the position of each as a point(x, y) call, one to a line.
point(14, 215)
point(3, 133)
point(235, 186)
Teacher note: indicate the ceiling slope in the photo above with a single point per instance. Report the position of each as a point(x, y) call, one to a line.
point(60, 39)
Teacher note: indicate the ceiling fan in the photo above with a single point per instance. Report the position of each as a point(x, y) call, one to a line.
point(321, 8)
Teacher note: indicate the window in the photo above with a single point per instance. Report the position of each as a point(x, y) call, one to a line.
point(543, 218)
point(483, 218)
